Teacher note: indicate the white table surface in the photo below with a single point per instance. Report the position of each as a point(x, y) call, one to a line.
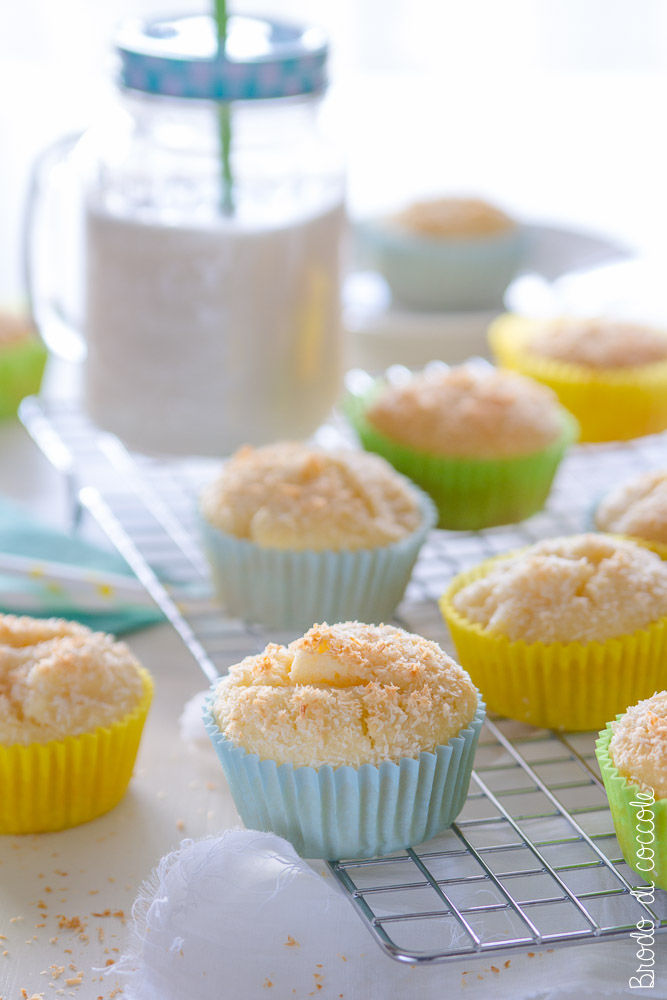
point(66, 898)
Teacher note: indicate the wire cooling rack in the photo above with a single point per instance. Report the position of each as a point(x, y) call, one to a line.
point(532, 860)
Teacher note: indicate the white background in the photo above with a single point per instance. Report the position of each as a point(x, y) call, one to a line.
point(553, 107)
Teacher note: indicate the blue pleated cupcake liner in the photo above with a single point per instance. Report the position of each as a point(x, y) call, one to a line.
point(350, 812)
point(287, 589)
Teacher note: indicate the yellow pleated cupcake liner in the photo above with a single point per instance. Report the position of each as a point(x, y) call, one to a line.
point(59, 784)
point(470, 493)
point(659, 548)
point(641, 825)
point(610, 405)
point(557, 685)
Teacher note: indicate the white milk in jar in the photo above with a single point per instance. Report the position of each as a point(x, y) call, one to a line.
point(213, 219)
point(203, 337)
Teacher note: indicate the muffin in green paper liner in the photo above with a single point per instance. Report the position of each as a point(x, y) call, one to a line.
point(354, 741)
point(479, 488)
point(638, 809)
point(22, 361)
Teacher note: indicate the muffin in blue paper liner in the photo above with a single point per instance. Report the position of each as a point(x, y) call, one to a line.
point(308, 572)
point(445, 254)
point(351, 812)
point(339, 810)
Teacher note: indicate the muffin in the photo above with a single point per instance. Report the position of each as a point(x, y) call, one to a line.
point(72, 708)
point(354, 740)
point(22, 361)
point(632, 754)
point(295, 534)
point(611, 375)
point(445, 253)
point(565, 633)
point(484, 443)
point(638, 508)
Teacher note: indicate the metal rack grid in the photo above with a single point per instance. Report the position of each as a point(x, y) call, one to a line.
point(532, 860)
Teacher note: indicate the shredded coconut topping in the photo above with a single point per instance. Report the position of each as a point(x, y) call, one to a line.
point(581, 588)
point(638, 507)
point(345, 694)
point(59, 679)
point(464, 412)
point(599, 343)
point(291, 496)
point(453, 217)
point(638, 747)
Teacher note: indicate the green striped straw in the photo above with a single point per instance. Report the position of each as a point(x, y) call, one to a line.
point(224, 119)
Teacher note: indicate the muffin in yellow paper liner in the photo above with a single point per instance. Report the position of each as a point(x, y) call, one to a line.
point(626, 802)
point(556, 685)
point(609, 404)
point(59, 784)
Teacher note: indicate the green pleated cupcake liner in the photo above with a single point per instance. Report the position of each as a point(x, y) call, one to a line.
point(470, 493)
point(640, 824)
point(350, 812)
point(287, 589)
point(21, 370)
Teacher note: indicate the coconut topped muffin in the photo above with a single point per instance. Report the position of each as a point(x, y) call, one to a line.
point(345, 694)
point(59, 679)
point(638, 748)
point(468, 412)
point(453, 217)
point(638, 508)
point(598, 343)
point(292, 496)
point(580, 588)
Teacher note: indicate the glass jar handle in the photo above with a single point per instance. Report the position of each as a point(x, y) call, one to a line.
point(44, 292)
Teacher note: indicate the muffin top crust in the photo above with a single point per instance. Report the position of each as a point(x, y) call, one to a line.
point(345, 694)
point(638, 747)
point(452, 217)
point(579, 588)
point(58, 679)
point(292, 496)
point(599, 343)
point(637, 507)
point(467, 412)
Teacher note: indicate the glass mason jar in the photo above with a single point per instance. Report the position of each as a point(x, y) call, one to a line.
point(213, 212)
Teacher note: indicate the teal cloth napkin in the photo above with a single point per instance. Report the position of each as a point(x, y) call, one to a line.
point(22, 535)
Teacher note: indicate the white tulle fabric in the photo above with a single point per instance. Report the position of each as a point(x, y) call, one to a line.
point(242, 917)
